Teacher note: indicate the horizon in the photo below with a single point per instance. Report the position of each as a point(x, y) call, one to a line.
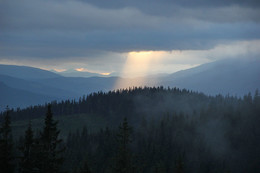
point(81, 72)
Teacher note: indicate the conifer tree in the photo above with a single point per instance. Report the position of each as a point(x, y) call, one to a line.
point(123, 158)
point(85, 167)
point(27, 159)
point(6, 145)
point(179, 166)
point(50, 146)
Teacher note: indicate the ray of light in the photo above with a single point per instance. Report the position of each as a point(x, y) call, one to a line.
point(137, 67)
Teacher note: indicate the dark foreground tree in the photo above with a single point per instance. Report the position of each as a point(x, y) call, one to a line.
point(85, 167)
point(27, 159)
point(123, 160)
point(179, 165)
point(49, 158)
point(6, 145)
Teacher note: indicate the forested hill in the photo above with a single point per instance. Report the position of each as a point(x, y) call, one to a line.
point(138, 102)
point(165, 130)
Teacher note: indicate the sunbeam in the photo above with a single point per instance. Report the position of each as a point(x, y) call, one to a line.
point(136, 67)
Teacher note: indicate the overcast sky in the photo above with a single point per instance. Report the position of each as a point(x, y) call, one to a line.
point(104, 36)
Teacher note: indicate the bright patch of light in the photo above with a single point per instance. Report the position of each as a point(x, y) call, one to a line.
point(105, 74)
point(81, 70)
point(138, 64)
point(92, 71)
point(59, 70)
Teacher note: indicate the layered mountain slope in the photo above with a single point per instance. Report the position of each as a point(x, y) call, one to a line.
point(231, 76)
point(25, 72)
point(20, 98)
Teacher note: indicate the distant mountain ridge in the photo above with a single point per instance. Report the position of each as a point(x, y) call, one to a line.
point(75, 73)
point(36, 87)
point(20, 98)
point(25, 72)
point(231, 76)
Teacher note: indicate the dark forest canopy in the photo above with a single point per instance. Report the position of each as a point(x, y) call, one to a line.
point(159, 130)
point(147, 100)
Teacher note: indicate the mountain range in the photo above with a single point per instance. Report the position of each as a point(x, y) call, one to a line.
point(21, 86)
point(235, 77)
point(75, 73)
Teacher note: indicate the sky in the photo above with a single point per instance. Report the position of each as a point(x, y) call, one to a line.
point(127, 37)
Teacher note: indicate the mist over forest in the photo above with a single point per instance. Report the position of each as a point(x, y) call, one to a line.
point(150, 129)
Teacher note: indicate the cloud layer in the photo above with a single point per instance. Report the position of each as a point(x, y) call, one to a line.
point(94, 31)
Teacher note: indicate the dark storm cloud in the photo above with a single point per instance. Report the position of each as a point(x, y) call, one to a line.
point(65, 44)
point(189, 3)
point(168, 7)
point(73, 28)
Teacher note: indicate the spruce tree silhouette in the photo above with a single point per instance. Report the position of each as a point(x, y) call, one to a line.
point(27, 159)
point(50, 146)
point(124, 157)
point(6, 144)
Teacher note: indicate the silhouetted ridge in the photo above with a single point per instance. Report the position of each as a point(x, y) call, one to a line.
point(136, 100)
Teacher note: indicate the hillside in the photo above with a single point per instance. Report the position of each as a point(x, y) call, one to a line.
point(148, 102)
point(36, 87)
point(75, 73)
point(25, 72)
point(230, 76)
point(166, 128)
point(80, 85)
point(20, 98)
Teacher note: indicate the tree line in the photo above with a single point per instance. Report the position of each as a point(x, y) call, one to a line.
point(194, 133)
point(45, 151)
point(39, 153)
